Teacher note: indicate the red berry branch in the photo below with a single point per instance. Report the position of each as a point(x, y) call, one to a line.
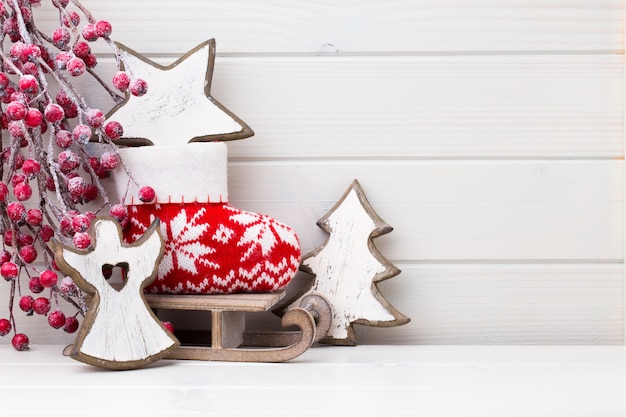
point(49, 181)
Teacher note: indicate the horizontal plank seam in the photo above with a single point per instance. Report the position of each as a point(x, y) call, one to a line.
point(393, 158)
point(556, 262)
point(369, 54)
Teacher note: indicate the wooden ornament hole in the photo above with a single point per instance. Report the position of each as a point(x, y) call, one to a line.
point(115, 275)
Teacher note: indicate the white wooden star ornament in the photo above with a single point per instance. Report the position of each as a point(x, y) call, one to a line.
point(178, 105)
point(348, 267)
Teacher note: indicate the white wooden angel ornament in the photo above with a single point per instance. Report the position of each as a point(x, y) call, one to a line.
point(119, 331)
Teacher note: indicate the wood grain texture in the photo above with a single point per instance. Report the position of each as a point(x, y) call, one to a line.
point(453, 210)
point(470, 303)
point(409, 381)
point(222, 302)
point(529, 106)
point(397, 26)
point(504, 304)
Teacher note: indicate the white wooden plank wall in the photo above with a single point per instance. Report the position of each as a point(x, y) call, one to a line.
point(489, 133)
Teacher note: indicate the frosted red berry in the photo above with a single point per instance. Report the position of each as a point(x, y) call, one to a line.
point(16, 211)
point(113, 130)
point(139, 87)
point(18, 160)
point(15, 51)
point(4, 191)
point(28, 84)
point(81, 133)
point(62, 59)
point(27, 15)
point(16, 130)
point(31, 167)
point(41, 305)
point(81, 240)
point(46, 232)
point(56, 319)
point(103, 28)
point(48, 278)
point(9, 270)
point(17, 178)
point(61, 37)
point(119, 212)
point(71, 111)
point(35, 285)
point(34, 216)
point(20, 341)
point(4, 81)
point(91, 60)
point(76, 67)
point(5, 327)
point(61, 4)
point(28, 254)
point(24, 239)
point(67, 160)
point(23, 191)
point(94, 118)
point(63, 99)
point(30, 68)
point(91, 192)
point(147, 194)
point(68, 287)
point(33, 118)
point(30, 53)
point(81, 49)
point(89, 32)
point(26, 304)
point(53, 113)
point(109, 161)
point(71, 19)
point(121, 80)
point(16, 110)
point(76, 187)
point(7, 237)
point(71, 324)
point(8, 93)
point(63, 138)
point(66, 226)
point(50, 183)
point(12, 28)
point(19, 96)
point(81, 222)
point(5, 256)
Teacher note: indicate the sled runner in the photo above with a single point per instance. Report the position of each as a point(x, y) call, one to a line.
point(228, 339)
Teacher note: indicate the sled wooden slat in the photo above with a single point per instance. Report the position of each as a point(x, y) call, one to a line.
point(222, 302)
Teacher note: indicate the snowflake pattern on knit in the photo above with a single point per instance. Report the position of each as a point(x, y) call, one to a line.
point(213, 248)
point(183, 247)
point(261, 232)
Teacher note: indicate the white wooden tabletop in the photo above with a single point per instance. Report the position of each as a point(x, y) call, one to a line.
point(328, 381)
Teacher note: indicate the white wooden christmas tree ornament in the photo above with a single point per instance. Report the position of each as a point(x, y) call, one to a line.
point(178, 107)
point(119, 331)
point(348, 267)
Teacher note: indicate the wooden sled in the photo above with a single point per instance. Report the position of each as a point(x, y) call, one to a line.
point(230, 342)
